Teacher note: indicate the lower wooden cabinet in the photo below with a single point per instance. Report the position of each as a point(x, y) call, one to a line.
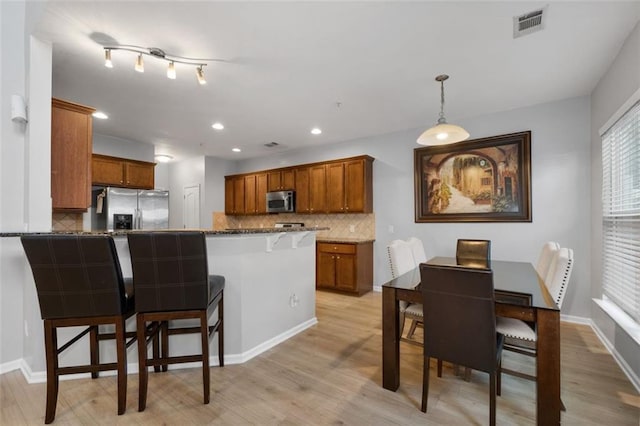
point(346, 267)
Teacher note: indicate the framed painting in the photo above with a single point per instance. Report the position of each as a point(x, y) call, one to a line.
point(481, 180)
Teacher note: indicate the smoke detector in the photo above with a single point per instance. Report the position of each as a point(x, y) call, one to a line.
point(529, 22)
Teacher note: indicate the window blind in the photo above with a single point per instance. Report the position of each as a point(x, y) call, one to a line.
point(621, 212)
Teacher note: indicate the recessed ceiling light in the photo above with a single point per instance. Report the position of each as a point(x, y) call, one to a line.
point(236, 150)
point(164, 158)
point(217, 126)
point(100, 114)
point(316, 131)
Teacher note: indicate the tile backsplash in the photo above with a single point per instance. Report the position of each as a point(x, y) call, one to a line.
point(66, 221)
point(341, 225)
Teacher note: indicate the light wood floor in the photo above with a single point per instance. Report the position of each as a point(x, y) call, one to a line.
point(331, 374)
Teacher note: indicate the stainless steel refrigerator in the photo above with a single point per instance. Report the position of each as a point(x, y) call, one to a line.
point(122, 208)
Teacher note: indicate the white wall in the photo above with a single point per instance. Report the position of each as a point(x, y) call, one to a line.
point(116, 147)
point(620, 81)
point(560, 190)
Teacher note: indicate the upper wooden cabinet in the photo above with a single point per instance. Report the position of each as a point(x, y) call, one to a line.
point(339, 186)
point(281, 180)
point(71, 145)
point(114, 171)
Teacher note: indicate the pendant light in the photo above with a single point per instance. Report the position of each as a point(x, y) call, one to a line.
point(139, 63)
point(443, 133)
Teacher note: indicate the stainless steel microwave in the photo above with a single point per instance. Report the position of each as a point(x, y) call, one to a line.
point(281, 202)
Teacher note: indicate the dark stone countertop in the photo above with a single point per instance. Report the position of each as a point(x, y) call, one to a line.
point(241, 231)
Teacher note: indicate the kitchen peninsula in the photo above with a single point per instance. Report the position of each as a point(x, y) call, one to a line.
point(269, 293)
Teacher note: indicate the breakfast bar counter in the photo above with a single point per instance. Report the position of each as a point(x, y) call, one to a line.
point(269, 293)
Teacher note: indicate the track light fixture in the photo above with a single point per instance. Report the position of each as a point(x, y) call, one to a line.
point(157, 53)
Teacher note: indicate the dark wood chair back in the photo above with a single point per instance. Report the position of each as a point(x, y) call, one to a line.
point(459, 322)
point(474, 253)
point(170, 270)
point(76, 275)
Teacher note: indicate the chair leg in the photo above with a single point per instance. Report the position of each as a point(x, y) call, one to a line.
point(164, 333)
point(499, 378)
point(51, 349)
point(94, 349)
point(122, 366)
point(142, 362)
point(425, 383)
point(155, 343)
point(412, 329)
point(221, 332)
point(204, 333)
point(492, 399)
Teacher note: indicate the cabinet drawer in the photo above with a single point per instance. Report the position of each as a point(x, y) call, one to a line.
point(337, 248)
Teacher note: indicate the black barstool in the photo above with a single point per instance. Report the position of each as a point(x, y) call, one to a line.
point(172, 282)
point(79, 283)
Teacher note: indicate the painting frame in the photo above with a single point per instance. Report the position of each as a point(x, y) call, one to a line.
point(480, 180)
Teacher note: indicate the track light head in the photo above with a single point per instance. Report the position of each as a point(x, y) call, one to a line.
point(139, 64)
point(171, 71)
point(200, 75)
point(107, 58)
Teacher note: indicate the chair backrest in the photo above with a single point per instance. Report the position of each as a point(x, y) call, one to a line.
point(545, 258)
point(75, 275)
point(170, 271)
point(473, 253)
point(459, 315)
point(400, 257)
point(417, 249)
point(559, 274)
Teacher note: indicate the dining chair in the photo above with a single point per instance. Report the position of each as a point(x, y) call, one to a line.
point(172, 282)
point(520, 337)
point(545, 257)
point(460, 324)
point(79, 283)
point(473, 253)
point(403, 257)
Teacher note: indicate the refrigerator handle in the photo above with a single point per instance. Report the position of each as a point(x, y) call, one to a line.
point(138, 221)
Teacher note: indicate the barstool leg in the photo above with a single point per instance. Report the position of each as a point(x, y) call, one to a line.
point(94, 349)
point(204, 334)
point(221, 332)
point(142, 362)
point(164, 333)
point(155, 342)
point(122, 365)
point(51, 349)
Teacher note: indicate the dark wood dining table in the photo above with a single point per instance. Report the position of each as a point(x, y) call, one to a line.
point(520, 293)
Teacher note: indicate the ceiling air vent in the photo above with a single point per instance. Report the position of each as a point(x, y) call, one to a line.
point(271, 144)
point(528, 23)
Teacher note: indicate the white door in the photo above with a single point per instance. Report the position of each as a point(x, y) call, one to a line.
point(191, 207)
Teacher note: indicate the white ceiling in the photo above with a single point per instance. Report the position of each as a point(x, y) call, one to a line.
point(287, 65)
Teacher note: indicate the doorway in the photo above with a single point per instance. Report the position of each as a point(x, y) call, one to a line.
point(191, 207)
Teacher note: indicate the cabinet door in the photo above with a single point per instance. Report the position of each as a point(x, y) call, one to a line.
point(346, 278)
point(335, 188)
point(261, 193)
point(238, 195)
point(358, 187)
point(139, 175)
point(287, 180)
point(250, 194)
point(317, 189)
point(326, 270)
point(273, 181)
point(71, 145)
point(228, 196)
point(302, 190)
point(107, 171)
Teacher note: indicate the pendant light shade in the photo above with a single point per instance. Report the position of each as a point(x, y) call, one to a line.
point(443, 133)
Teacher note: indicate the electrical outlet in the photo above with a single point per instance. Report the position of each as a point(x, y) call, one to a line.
point(352, 228)
point(391, 229)
point(293, 300)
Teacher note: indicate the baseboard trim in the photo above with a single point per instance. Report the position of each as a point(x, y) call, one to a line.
point(626, 369)
point(132, 367)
